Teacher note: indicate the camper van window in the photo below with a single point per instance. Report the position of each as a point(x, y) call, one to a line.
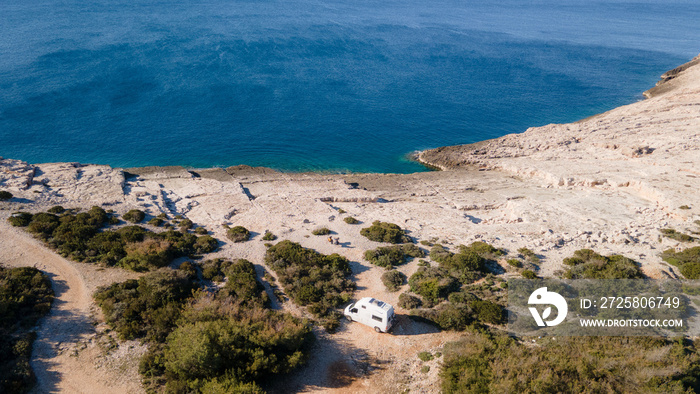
point(377, 318)
point(364, 307)
point(354, 310)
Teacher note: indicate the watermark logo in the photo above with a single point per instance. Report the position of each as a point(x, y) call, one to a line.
point(543, 297)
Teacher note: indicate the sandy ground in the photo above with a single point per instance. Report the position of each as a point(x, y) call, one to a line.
point(608, 183)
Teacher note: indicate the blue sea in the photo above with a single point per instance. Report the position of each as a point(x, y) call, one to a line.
point(313, 85)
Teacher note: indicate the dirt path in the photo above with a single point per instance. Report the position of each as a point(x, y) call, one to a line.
point(65, 354)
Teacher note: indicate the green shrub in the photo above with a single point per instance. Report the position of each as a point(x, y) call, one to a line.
point(688, 261)
point(57, 210)
point(514, 263)
point(467, 260)
point(321, 231)
point(489, 312)
point(425, 356)
point(269, 236)
point(25, 296)
point(205, 244)
point(238, 234)
point(388, 256)
point(409, 301)
point(393, 280)
point(385, 232)
point(341, 210)
point(587, 264)
point(186, 224)
point(425, 369)
point(529, 274)
point(5, 195)
point(447, 316)
point(529, 255)
point(201, 231)
point(675, 235)
point(492, 362)
point(134, 216)
point(350, 220)
point(225, 341)
point(684, 207)
point(433, 284)
point(157, 222)
point(311, 279)
point(20, 219)
point(483, 249)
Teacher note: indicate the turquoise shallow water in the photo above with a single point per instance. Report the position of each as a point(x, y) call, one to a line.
point(316, 85)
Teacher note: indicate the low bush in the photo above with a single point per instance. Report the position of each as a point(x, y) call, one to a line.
point(5, 195)
point(312, 279)
point(82, 237)
point(385, 232)
point(205, 244)
point(205, 342)
point(56, 210)
point(488, 312)
point(134, 216)
point(201, 231)
point(25, 296)
point(529, 274)
point(186, 224)
point(493, 362)
point(676, 235)
point(514, 263)
point(433, 284)
point(238, 234)
point(156, 222)
point(409, 301)
point(447, 316)
point(688, 261)
point(529, 255)
point(351, 220)
point(393, 280)
point(425, 356)
point(388, 256)
point(321, 231)
point(464, 262)
point(269, 236)
point(20, 219)
point(587, 264)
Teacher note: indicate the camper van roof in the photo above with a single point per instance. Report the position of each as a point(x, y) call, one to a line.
point(380, 304)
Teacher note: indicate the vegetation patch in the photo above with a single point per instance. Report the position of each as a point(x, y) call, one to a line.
point(494, 362)
point(389, 256)
point(409, 301)
point(433, 284)
point(468, 264)
point(350, 220)
point(393, 280)
point(5, 195)
point(529, 255)
point(385, 232)
point(321, 231)
point(25, 297)
point(587, 264)
point(312, 279)
point(676, 235)
point(238, 234)
point(269, 236)
point(134, 216)
point(688, 261)
point(205, 342)
point(83, 237)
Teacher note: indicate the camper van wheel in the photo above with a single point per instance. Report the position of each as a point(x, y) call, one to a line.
point(377, 329)
point(349, 318)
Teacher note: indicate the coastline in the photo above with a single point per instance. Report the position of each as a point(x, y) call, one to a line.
point(607, 183)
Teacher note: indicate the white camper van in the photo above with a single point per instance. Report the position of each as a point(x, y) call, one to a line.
point(374, 313)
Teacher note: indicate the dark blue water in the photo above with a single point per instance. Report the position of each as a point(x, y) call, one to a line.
point(338, 85)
